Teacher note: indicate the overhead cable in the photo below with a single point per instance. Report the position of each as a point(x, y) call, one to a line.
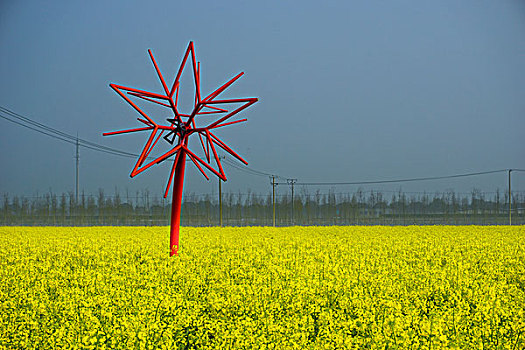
point(62, 136)
point(401, 180)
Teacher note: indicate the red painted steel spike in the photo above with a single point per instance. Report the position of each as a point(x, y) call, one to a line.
point(198, 166)
point(226, 148)
point(154, 143)
point(126, 131)
point(144, 150)
point(217, 159)
point(198, 80)
point(226, 124)
point(206, 152)
point(148, 99)
point(232, 100)
point(222, 88)
point(177, 96)
point(222, 176)
point(171, 175)
point(114, 87)
point(166, 127)
point(219, 110)
point(181, 131)
point(140, 168)
point(195, 73)
point(183, 63)
point(208, 112)
point(249, 102)
point(208, 149)
point(145, 122)
point(159, 73)
point(140, 92)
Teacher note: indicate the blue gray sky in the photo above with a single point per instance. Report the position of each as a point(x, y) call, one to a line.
point(349, 90)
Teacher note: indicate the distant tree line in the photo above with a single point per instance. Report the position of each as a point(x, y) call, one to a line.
point(248, 209)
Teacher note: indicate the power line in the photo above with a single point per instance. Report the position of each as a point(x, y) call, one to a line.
point(62, 136)
point(249, 170)
point(401, 180)
point(59, 135)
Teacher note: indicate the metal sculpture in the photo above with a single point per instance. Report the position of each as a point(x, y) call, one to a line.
point(180, 128)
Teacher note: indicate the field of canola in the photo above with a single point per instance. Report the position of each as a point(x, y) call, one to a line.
point(413, 287)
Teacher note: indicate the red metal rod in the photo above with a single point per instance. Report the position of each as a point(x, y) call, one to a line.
point(195, 100)
point(144, 121)
point(166, 90)
point(125, 131)
point(246, 105)
point(114, 87)
point(205, 164)
point(159, 74)
point(198, 166)
point(222, 88)
point(209, 112)
point(144, 150)
point(141, 92)
point(226, 148)
point(176, 204)
point(233, 100)
point(208, 148)
point(230, 123)
point(153, 162)
point(171, 175)
point(207, 153)
point(148, 99)
point(217, 108)
point(174, 104)
point(177, 96)
point(199, 76)
point(154, 143)
point(217, 159)
point(195, 74)
point(166, 127)
point(198, 107)
point(183, 63)
point(220, 125)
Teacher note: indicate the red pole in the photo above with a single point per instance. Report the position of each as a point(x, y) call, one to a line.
point(176, 203)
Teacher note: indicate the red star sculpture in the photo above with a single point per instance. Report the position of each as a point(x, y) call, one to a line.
point(180, 128)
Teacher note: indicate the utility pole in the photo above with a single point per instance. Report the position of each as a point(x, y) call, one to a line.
point(76, 178)
point(292, 182)
point(220, 202)
point(510, 201)
point(273, 197)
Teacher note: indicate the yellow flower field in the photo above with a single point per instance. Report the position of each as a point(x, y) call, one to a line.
point(416, 287)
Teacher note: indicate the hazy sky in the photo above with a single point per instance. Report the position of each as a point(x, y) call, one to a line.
point(349, 90)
